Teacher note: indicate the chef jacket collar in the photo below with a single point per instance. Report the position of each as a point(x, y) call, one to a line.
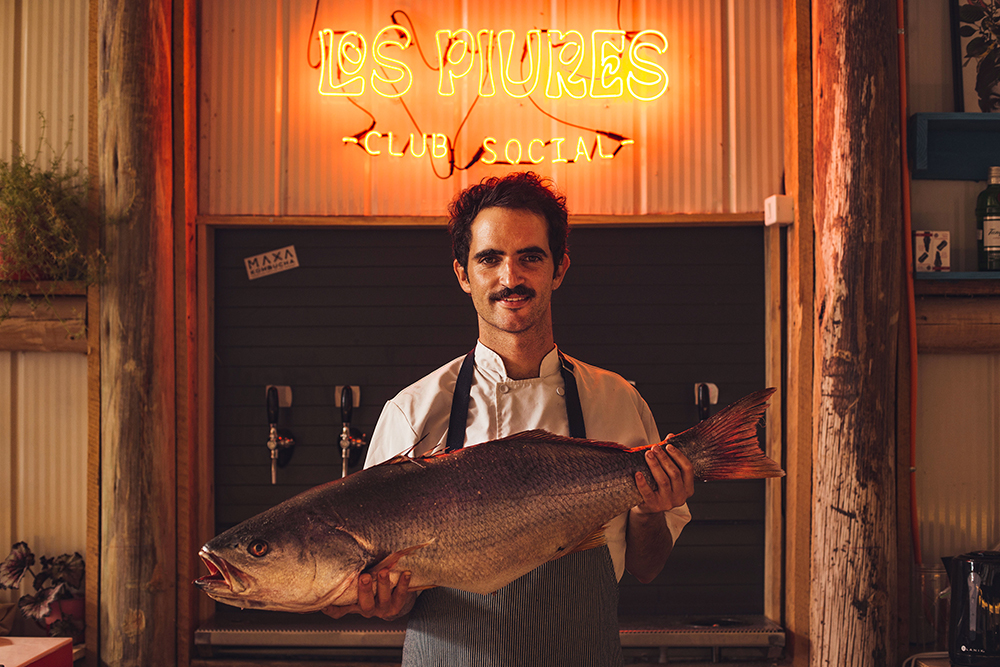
point(491, 365)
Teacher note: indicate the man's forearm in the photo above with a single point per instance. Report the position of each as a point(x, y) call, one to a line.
point(648, 543)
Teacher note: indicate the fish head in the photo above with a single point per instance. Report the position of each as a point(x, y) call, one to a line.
point(282, 564)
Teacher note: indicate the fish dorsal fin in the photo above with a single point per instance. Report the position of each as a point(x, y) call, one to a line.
point(541, 435)
point(594, 540)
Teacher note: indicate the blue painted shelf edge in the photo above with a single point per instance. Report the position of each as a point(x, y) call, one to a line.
point(953, 146)
point(957, 275)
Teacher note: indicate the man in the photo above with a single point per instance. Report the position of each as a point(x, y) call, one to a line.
point(509, 241)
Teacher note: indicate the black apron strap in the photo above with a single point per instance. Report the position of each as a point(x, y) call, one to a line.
point(460, 403)
point(574, 411)
point(463, 386)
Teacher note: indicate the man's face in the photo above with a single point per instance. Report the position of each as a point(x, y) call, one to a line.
point(511, 273)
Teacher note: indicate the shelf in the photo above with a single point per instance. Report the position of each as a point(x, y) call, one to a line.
point(954, 146)
point(45, 287)
point(957, 283)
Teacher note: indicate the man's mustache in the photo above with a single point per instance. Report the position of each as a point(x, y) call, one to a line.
point(508, 292)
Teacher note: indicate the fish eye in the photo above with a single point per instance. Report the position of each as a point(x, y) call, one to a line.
point(258, 548)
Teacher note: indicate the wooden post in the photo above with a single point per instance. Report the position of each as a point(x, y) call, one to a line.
point(858, 222)
point(138, 522)
point(798, 400)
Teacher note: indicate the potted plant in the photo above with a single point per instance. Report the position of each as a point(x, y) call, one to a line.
point(57, 602)
point(46, 217)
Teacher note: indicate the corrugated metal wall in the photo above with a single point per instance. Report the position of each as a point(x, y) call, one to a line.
point(43, 426)
point(43, 451)
point(958, 454)
point(43, 53)
point(272, 145)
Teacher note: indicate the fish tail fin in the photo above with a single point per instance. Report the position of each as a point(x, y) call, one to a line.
point(725, 445)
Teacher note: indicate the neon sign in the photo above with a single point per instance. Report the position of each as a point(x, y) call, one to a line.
point(604, 66)
point(458, 51)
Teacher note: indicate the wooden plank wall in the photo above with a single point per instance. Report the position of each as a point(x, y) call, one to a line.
point(380, 308)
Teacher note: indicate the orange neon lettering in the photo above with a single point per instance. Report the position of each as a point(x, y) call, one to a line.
point(581, 149)
point(462, 44)
point(600, 153)
point(349, 140)
point(506, 151)
point(368, 148)
point(382, 40)
point(394, 154)
point(329, 73)
point(423, 145)
point(486, 86)
point(653, 68)
point(609, 63)
point(486, 147)
point(556, 85)
point(532, 143)
point(443, 145)
point(534, 61)
point(558, 141)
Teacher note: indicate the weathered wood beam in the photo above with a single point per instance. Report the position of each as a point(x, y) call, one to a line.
point(138, 527)
point(798, 402)
point(55, 324)
point(858, 221)
point(968, 325)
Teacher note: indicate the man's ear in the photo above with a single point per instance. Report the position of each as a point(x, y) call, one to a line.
point(560, 272)
point(463, 277)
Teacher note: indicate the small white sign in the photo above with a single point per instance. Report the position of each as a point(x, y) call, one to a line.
point(274, 261)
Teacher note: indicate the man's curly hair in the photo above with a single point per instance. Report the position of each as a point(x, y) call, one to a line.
point(524, 191)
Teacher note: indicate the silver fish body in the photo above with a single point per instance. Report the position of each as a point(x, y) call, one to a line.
point(475, 519)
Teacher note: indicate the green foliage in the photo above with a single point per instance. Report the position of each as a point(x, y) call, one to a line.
point(46, 218)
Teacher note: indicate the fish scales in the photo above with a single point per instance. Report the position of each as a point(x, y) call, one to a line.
point(508, 501)
point(475, 519)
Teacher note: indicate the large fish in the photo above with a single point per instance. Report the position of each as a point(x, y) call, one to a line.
point(475, 519)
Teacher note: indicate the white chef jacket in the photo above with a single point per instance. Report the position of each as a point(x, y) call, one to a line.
point(416, 420)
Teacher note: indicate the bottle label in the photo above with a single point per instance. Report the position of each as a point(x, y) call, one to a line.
point(991, 231)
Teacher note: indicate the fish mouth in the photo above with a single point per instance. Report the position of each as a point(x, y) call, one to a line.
point(221, 574)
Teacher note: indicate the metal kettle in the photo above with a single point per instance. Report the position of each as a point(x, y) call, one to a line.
point(974, 630)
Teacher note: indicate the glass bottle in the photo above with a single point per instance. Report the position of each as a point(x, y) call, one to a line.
point(988, 223)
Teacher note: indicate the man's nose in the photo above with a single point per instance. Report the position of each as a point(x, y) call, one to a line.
point(510, 273)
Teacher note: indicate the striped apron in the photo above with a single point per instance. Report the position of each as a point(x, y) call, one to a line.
point(564, 612)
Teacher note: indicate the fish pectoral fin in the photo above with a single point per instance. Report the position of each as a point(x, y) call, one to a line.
point(390, 561)
point(594, 540)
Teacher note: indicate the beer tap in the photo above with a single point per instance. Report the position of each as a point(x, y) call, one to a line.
point(349, 437)
point(279, 441)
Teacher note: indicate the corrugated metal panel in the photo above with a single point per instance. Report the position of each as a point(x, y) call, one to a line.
point(43, 451)
point(7, 92)
point(273, 145)
point(6, 463)
point(756, 82)
point(55, 78)
point(958, 454)
point(238, 56)
point(50, 440)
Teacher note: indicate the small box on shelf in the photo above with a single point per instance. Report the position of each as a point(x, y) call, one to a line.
point(931, 251)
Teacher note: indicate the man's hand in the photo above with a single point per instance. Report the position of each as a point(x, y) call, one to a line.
point(674, 477)
point(382, 599)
